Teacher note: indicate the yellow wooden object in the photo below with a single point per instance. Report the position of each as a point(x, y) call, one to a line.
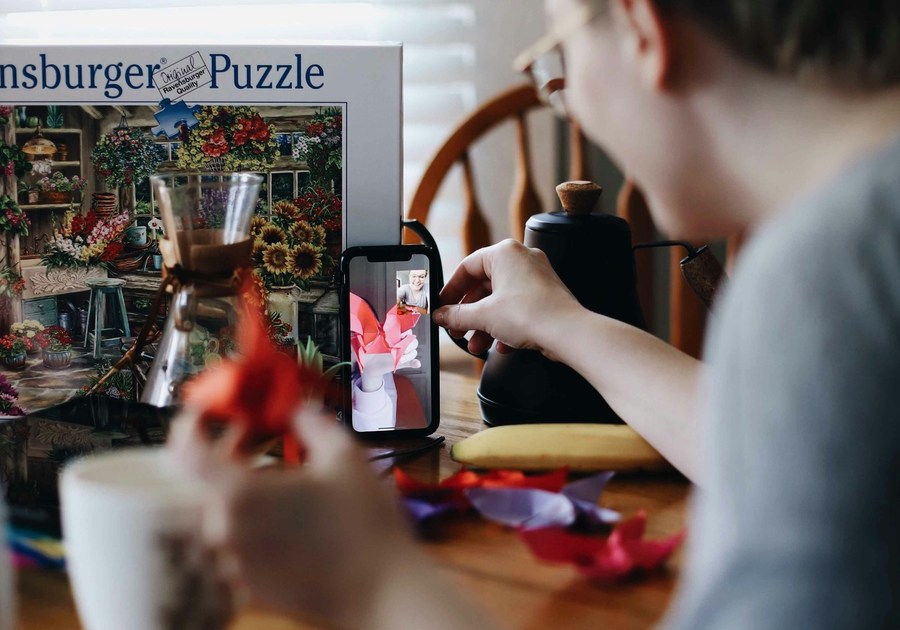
point(580, 447)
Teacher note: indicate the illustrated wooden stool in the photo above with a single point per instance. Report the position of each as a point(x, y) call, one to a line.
point(100, 288)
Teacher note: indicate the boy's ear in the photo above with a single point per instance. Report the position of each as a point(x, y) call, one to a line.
point(646, 40)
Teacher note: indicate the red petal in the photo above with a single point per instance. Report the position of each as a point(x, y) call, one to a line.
point(551, 482)
point(603, 559)
point(261, 392)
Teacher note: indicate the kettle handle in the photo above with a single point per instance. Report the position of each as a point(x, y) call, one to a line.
point(437, 272)
point(700, 268)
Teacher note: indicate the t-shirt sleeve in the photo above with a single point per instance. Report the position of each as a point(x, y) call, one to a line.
point(798, 525)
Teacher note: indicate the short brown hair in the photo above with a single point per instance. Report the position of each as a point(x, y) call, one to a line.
point(846, 43)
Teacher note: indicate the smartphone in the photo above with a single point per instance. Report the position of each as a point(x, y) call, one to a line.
point(389, 340)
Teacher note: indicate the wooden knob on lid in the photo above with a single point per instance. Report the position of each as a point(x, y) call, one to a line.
point(579, 197)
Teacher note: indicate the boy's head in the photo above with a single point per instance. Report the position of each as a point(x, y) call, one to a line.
point(681, 92)
point(845, 43)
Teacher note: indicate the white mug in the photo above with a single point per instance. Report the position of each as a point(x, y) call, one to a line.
point(131, 527)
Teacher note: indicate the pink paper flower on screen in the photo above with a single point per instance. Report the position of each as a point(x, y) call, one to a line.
point(369, 336)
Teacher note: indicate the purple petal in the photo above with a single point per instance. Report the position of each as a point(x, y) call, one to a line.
point(594, 514)
point(588, 489)
point(523, 507)
point(421, 511)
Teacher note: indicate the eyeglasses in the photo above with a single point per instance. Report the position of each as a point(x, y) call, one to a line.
point(543, 61)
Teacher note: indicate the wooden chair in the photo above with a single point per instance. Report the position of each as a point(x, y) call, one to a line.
point(687, 314)
point(510, 106)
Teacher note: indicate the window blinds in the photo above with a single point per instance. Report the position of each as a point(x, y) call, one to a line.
point(454, 58)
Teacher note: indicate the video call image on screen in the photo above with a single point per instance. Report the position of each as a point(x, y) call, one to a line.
point(389, 344)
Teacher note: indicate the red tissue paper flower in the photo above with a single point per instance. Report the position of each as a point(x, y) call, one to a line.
point(260, 393)
point(625, 551)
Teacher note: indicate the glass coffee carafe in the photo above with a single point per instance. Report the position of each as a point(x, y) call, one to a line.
point(206, 218)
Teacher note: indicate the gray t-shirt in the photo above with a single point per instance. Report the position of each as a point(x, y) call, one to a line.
point(798, 525)
point(406, 295)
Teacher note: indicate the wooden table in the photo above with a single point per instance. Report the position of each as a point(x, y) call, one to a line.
point(484, 559)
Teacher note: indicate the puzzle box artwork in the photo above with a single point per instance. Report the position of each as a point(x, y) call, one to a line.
point(87, 125)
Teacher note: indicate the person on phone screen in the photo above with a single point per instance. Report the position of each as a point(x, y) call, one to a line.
point(778, 121)
point(414, 295)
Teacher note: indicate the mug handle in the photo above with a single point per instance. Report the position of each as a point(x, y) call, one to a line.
point(437, 273)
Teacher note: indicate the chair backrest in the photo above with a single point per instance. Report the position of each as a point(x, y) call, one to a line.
point(510, 106)
point(687, 315)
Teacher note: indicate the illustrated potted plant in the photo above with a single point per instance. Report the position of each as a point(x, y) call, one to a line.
point(13, 352)
point(320, 146)
point(124, 156)
point(57, 188)
point(56, 344)
point(31, 192)
point(229, 138)
point(156, 231)
point(28, 330)
point(287, 250)
point(9, 397)
point(85, 240)
point(30, 187)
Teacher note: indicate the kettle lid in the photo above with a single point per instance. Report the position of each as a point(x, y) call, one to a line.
point(578, 198)
point(560, 222)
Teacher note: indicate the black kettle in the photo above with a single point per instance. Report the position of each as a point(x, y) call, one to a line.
point(592, 254)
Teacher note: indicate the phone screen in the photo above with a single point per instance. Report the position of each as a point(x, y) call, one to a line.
point(390, 344)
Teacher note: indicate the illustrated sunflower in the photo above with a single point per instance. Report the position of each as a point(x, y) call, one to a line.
point(275, 259)
point(257, 224)
point(257, 293)
point(302, 232)
point(286, 209)
point(319, 236)
point(306, 261)
point(272, 234)
point(259, 247)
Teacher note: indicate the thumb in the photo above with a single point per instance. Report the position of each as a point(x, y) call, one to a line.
point(461, 317)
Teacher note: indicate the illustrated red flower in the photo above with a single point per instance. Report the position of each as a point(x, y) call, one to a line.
point(112, 251)
point(217, 145)
point(315, 129)
point(254, 128)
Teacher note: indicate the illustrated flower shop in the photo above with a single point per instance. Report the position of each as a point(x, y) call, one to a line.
point(80, 232)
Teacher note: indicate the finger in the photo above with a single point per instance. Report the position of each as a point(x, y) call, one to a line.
point(328, 443)
point(232, 593)
point(463, 316)
point(414, 364)
point(480, 342)
point(412, 346)
point(502, 348)
point(193, 452)
point(472, 271)
point(408, 355)
point(456, 334)
point(477, 294)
